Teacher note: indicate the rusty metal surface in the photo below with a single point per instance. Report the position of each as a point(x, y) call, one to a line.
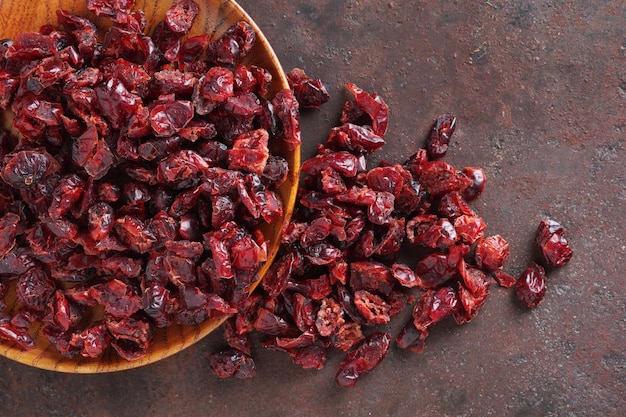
point(539, 89)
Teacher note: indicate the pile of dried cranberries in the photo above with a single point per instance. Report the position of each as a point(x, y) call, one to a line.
point(338, 273)
point(139, 180)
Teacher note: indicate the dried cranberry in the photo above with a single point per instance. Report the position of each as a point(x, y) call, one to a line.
point(310, 93)
point(477, 176)
point(287, 111)
point(553, 246)
point(8, 231)
point(363, 359)
point(329, 317)
point(17, 335)
point(179, 18)
point(27, 168)
point(374, 106)
point(34, 288)
point(437, 143)
point(233, 45)
point(232, 363)
point(491, 252)
point(531, 286)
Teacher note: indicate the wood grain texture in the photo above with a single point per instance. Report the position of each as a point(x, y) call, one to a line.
point(17, 16)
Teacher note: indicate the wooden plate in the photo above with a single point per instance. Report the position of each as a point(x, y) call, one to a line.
point(215, 16)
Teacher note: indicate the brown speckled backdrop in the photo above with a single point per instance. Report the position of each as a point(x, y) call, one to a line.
point(539, 88)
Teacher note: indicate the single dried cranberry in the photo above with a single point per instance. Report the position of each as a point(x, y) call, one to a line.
point(504, 279)
point(363, 359)
point(553, 246)
point(439, 138)
point(477, 176)
point(385, 179)
point(233, 45)
point(372, 307)
point(179, 18)
point(469, 228)
point(310, 357)
point(232, 363)
point(374, 106)
point(347, 336)
point(287, 111)
point(27, 168)
point(304, 313)
point(438, 178)
point(34, 288)
point(170, 117)
point(531, 285)
point(404, 275)
point(491, 252)
point(329, 317)
point(434, 306)
point(92, 341)
point(310, 93)
point(249, 152)
point(67, 192)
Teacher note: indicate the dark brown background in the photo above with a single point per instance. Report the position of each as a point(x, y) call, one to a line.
point(539, 89)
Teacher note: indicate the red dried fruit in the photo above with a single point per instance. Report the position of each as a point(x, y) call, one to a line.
point(434, 306)
point(491, 252)
point(553, 246)
point(27, 168)
point(469, 228)
point(170, 117)
point(14, 334)
point(249, 152)
point(438, 178)
point(92, 341)
point(404, 275)
point(182, 169)
point(232, 363)
point(374, 106)
point(439, 138)
point(477, 176)
point(347, 336)
point(120, 184)
point(310, 93)
point(233, 45)
point(34, 288)
point(504, 279)
point(354, 138)
point(8, 231)
point(531, 286)
point(287, 111)
point(363, 359)
point(438, 268)
point(179, 18)
point(329, 317)
point(430, 231)
point(372, 307)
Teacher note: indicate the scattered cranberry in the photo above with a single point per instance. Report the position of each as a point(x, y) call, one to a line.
point(232, 363)
point(492, 252)
point(309, 93)
point(437, 143)
point(553, 246)
point(337, 272)
point(363, 359)
point(531, 286)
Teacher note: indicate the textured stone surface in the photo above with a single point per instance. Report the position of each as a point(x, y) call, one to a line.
point(539, 88)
